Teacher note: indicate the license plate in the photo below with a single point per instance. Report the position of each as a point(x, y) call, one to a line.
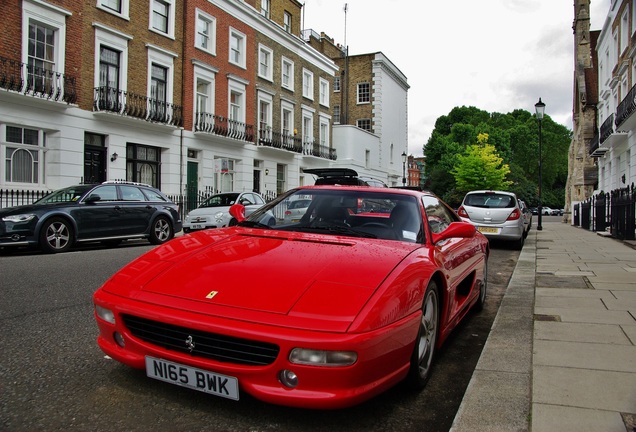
point(194, 378)
point(197, 226)
point(488, 230)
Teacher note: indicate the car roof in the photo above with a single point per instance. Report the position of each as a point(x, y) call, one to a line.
point(487, 192)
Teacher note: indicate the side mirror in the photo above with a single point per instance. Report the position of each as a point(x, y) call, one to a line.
point(238, 212)
point(93, 199)
point(455, 230)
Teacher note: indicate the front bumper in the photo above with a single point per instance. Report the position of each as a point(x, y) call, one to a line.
point(383, 355)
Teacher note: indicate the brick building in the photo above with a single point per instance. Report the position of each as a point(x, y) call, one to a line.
point(180, 94)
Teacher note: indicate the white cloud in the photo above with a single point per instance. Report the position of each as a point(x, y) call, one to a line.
point(497, 55)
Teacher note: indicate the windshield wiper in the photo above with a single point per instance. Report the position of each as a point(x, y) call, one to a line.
point(335, 229)
point(252, 224)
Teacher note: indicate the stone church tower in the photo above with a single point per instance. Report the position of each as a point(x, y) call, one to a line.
point(582, 170)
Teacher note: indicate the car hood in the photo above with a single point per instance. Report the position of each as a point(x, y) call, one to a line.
point(288, 279)
point(31, 208)
point(207, 211)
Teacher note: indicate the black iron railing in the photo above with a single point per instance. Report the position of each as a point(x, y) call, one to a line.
point(223, 126)
point(312, 148)
point(607, 128)
point(138, 106)
point(269, 138)
point(626, 107)
point(615, 210)
point(36, 81)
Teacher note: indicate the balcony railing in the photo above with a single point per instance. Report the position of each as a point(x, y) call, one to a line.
point(138, 106)
point(269, 138)
point(312, 148)
point(223, 126)
point(607, 128)
point(36, 81)
point(626, 107)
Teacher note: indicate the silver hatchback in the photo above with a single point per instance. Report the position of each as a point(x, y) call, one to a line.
point(496, 214)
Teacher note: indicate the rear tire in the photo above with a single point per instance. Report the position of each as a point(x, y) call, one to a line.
point(425, 343)
point(483, 290)
point(161, 231)
point(56, 235)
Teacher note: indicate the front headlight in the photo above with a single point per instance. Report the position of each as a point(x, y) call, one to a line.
point(322, 357)
point(105, 314)
point(18, 218)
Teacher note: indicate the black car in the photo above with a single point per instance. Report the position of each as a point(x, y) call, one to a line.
point(109, 212)
point(342, 176)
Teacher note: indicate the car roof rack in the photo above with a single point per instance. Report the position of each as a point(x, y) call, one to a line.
point(126, 183)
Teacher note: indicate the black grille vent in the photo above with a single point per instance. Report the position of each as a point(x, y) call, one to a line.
point(209, 345)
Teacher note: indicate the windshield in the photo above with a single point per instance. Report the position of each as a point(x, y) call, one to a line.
point(66, 195)
point(221, 200)
point(357, 213)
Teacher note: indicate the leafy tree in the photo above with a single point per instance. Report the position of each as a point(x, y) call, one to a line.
point(515, 139)
point(480, 168)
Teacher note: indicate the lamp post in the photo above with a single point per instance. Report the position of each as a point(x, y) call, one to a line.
point(540, 109)
point(403, 168)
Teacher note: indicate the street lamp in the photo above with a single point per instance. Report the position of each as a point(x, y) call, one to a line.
point(403, 168)
point(540, 109)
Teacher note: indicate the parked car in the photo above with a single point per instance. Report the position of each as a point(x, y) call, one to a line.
point(214, 211)
point(534, 210)
point(110, 212)
point(526, 214)
point(342, 176)
point(546, 211)
point(296, 209)
point(557, 212)
point(346, 302)
point(496, 214)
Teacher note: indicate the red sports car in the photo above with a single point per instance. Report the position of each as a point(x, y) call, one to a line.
point(322, 312)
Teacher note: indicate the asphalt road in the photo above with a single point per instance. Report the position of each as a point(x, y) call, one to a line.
point(54, 377)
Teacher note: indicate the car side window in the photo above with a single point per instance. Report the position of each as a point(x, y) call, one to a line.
point(258, 199)
point(106, 193)
point(438, 215)
point(131, 193)
point(154, 195)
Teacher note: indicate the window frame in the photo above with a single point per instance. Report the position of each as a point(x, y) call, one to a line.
point(363, 93)
point(266, 60)
point(211, 37)
point(38, 149)
point(308, 84)
point(241, 49)
point(124, 6)
point(323, 96)
point(170, 18)
point(290, 63)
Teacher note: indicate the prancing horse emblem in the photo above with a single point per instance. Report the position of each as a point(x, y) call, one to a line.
point(189, 343)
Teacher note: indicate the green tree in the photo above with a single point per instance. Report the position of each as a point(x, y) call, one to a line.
point(480, 167)
point(515, 138)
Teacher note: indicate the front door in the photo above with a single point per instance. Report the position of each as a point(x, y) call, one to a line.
point(94, 166)
point(192, 185)
point(257, 181)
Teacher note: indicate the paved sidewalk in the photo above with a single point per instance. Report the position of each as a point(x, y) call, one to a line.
point(561, 355)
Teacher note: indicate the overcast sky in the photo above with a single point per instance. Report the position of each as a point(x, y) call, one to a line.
point(496, 55)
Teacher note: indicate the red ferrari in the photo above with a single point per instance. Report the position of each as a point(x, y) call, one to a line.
point(321, 310)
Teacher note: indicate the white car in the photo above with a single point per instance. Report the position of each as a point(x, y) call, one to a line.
point(214, 211)
point(496, 214)
point(546, 211)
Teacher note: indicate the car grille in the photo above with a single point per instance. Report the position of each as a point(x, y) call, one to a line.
point(202, 344)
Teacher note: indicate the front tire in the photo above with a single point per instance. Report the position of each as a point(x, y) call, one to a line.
point(56, 235)
point(426, 341)
point(161, 231)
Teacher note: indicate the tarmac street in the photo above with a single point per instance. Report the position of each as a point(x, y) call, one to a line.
point(561, 355)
